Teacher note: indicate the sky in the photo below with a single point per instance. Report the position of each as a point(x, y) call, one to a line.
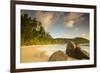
point(62, 24)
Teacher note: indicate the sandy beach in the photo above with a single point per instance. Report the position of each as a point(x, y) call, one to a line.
point(40, 53)
point(32, 54)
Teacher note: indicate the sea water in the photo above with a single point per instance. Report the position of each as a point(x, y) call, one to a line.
point(50, 49)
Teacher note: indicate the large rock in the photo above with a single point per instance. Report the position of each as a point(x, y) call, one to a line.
point(70, 48)
point(58, 56)
point(74, 50)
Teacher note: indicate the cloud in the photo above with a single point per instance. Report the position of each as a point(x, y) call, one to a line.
point(46, 18)
point(72, 18)
point(69, 23)
point(84, 35)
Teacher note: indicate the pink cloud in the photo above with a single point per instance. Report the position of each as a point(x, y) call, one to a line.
point(45, 18)
point(72, 18)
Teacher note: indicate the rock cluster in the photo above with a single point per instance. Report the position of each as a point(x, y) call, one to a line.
point(72, 50)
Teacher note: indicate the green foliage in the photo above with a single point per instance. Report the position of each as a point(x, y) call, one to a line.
point(80, 40)
point(77, 40)
point(32, 31)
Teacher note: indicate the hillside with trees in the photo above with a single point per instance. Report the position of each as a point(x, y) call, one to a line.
point(32, 31)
